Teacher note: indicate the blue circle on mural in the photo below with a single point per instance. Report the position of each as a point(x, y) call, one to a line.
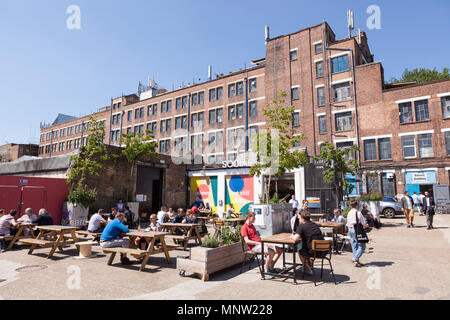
point(236, 184)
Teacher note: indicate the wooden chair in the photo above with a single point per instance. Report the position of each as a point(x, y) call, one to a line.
point(218, 225)
point(321, 251)
point(252, 255)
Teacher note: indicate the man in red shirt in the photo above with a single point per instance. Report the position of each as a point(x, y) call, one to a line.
point(253, 241)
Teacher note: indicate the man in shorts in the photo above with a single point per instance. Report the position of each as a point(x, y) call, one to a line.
point(253, 241)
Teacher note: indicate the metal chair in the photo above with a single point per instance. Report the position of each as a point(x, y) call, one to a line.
point(253, 256)
point(321, 251)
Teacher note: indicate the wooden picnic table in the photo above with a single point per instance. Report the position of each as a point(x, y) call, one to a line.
point(18, 236)
point(56, 239)
point(151, 236)
point(188, 229)
point(283, 239)
point(337, 228)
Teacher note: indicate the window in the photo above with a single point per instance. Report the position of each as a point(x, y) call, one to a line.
point(194, 99)
point(197, 120)
point(240, 88)
point(322, 124)
point(164, 146)
point(344, 121)
point(150, 110)
point(253, 109)
point(151, 127)
point(178, 103)
point(293, 55)
point(231, 90)
point(136, 114)
point(294, 93)
point(201, 98)
point(177, 123)
point(169, 105)
point(372, 184)
point(252, 85)
point(318, 48)
point(155, 109)
point(425, 143)
point(421, 109)
point(168, 125)
point(163, 107)
point(130, 115)
point(409, 147)
point(184, 102)
point(341, 92)
point(138, 129)
point(219, 93)
point(253, 138)
point(239, 111)
point(119, 105)
point(231, 112)
point(296, 119)
point(319, 69)
point(445, 101)
point(236, 139)
point(215, 140)
point(405, 111)
point(180, 144)
point(197, 143)
point(339, 64)
point(162, 126)
point(212, 95)
point(370, 149)
point(321, 96)
point(344, 145)
point(447, 142)
point(384, 148)
point(212, 116)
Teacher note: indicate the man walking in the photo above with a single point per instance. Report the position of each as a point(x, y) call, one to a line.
point(428, 209)
point(415, 198)
point(408, 209)
point(421, 197)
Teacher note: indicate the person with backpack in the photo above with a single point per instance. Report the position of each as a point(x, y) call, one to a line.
point(354, 218)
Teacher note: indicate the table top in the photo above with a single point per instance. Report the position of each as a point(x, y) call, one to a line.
point(330, 224)
point(232, 219)
point(146, 234)
point(282, 238)
point(56, 228)
point(27, 224)
point(182, 225)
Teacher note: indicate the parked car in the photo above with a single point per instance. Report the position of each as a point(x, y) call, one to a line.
point(389, 208)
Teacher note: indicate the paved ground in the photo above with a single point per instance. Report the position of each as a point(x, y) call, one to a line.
point(401, 264)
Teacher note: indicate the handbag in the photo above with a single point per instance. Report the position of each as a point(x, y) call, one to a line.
point(361, 235)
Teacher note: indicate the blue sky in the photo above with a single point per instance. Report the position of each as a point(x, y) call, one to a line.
point(46, 69)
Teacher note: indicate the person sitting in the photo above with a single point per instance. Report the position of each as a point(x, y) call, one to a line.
point(371, 221)
point(338, 217)
point(307, 231)
point(195, 211)
point(110, 236)
point(130, 217)
point(44, 219)
point(162, 214)
point(253, 241)
point(190, 218)
point(207, 207)
point(7, 223)
point(231, 212)
point(120, 205)
point(112, 216)
point(201, 206)
point(97, 223)
point(28, 218)
point(153, 226)
point(171, 215)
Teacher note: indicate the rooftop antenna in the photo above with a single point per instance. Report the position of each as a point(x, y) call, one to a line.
point(359, 36)
point(267, 34)
point(350, 22)
point(209, 72)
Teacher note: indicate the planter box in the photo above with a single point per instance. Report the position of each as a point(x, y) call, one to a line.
point(204, 261)
point(78, 214)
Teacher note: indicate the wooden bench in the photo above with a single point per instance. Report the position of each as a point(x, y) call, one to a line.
point(85, 249)
point(133, 252)
point(87, 234)
point(39, 242)
point(7, 238)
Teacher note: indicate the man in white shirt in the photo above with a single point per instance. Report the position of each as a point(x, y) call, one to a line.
point(28, 218)
point(97, 222)
point(162, 214)
point(415, 198)
point(295, 205)
point(338, 217)
point(421, 197)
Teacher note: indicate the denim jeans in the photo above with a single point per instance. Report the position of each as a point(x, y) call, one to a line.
point(357, 248)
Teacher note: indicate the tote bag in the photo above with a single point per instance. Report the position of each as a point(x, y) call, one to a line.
point(361, 235)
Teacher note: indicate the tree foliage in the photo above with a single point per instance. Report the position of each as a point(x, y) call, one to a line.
point(339, 164)
point(422, 75)
point(87, 163)
point(279, 118)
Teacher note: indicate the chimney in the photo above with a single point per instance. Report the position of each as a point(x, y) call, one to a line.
point(267, 34)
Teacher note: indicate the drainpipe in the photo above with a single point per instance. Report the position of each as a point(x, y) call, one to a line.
point(188, 146)
point(51, 144)
point(121, 124)
point(110, 120)
point(246, 113)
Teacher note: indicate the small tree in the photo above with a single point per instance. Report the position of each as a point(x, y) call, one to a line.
point(278, 160)
point(137, 146)
point(87, 163)
point(339, 164)
point(422, 75)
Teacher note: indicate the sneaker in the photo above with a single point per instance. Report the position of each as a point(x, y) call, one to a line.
point(358, 264)
point(408, 226)
point(268, 274)
point(310, 273)
point(412, 225)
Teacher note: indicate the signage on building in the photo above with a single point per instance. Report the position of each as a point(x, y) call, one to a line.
point(313, 202)
point(22, 181)
point(419, 178)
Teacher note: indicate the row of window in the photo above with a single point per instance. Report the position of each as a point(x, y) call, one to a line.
point(318, 49)
point(68, 131)
point(62, 146)
point(341, 93)
point(420, 112)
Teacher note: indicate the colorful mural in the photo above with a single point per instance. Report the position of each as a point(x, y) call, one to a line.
point(204, 189)
point(239, 190)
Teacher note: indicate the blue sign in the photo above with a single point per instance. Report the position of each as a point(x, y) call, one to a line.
point(23, 181)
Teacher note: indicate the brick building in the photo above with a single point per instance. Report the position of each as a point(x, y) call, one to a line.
point(13, 151)
point(339, 95)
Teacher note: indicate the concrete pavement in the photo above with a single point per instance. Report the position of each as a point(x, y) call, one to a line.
point(401, 263)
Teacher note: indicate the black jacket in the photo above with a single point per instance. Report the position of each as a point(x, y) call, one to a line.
point(432, 205)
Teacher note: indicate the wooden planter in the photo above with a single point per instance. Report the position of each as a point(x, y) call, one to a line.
point(204, 261)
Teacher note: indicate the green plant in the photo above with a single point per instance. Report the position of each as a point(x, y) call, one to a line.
point(345, 212)
point(230, 235)
point(82, 195)
point(371, 197)
point(275, 147)
point(210, 242)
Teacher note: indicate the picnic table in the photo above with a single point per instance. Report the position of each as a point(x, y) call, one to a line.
point(151, 236)
point(18, 236)
point(56, 239)
point(284, 239)
point(187, 228)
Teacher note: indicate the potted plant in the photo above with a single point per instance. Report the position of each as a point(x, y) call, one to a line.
point(214, 254)
point(276, 155)
point(85, 166)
